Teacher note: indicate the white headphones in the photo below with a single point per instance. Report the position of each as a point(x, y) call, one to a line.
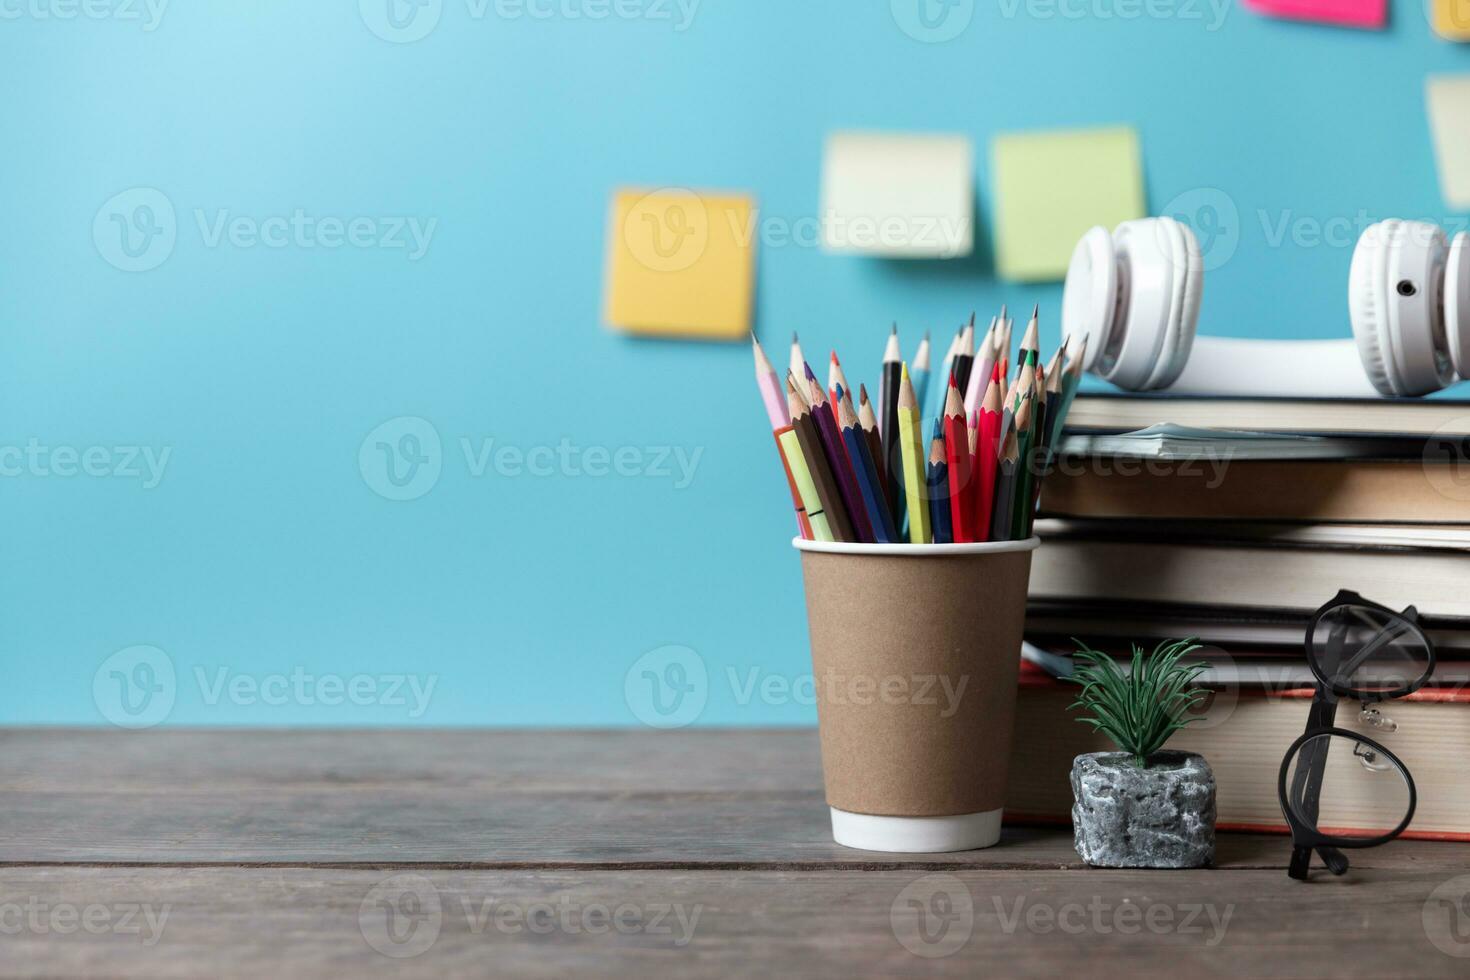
point(1135, 294)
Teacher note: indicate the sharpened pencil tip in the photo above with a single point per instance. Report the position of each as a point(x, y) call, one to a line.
point(895, 328)
point(808, 368)
point(1036, 311)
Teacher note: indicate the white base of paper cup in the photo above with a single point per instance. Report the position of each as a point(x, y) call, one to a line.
point(916, 835)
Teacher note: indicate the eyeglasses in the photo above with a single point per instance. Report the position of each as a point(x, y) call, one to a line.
point(1338, 788)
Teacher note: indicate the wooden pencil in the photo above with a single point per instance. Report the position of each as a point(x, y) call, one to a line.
point(960, 466)
point(938, 488)
point(869, 422)
point(980, 371)
point(867, 474)
point(837, 457)
point(835, 379)
point(1005, 484)
point(919, 369)
point(987, 456)
point(769, 384)
point(915, 480)
point(1022, 426)
point(823, 479)
point(798, 359)
point(964, 357)
point(888, 426)
point(809, 513)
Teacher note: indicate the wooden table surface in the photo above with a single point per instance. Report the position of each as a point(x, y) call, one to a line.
point(522, 854)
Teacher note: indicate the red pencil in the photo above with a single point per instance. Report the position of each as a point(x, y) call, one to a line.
point(961, 470)
point(987, 456)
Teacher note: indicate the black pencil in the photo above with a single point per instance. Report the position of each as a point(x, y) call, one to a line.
point(1005, 489)
point(888, 425)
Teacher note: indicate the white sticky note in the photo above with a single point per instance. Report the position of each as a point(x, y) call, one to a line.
point(1449, 121)
point(899, 195)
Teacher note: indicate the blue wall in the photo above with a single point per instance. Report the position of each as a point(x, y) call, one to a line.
point(266, 552)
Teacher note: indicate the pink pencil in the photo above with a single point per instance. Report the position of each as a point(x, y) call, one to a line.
point(980, 372)
point(770, 386)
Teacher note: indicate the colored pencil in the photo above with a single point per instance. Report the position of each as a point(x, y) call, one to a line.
point(961, 476)
point(1071, 378)
point(938, 489)
point(1005, 344)
point(867, 474)
point(987, 452)
point(1005, 485)
point(823, 479)
point(911, 442)
point(1026, 361)
point(769, 383)
point(888, 426)
point(869, 422)
point(798, 359)
point(980, 372)
point(964, 357)
point(1025, 416)
point(919, 369)
point(809, 514)
point(835, 379)
point(946, 368)
point(837, 456)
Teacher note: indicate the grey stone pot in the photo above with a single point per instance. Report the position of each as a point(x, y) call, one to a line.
point(1160, 816)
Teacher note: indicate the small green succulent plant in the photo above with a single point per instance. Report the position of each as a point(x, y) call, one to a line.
point(1141, 707)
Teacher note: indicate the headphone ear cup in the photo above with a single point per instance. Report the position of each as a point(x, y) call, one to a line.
point(1147, 272)
point(1457, 304)
point(1187, 283)
point(1366, 304)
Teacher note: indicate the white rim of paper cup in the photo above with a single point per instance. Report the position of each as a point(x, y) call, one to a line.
point(916, 835)
point(916, 550)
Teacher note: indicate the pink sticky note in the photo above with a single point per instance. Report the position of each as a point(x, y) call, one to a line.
point(1346, 13)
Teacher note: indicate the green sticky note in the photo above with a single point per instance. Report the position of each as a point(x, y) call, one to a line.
point(1051, 187)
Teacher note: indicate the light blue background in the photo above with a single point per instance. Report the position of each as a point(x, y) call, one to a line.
point(265, 551)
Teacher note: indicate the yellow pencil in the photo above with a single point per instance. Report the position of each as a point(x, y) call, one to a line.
point(914, 482)
point(821, 530)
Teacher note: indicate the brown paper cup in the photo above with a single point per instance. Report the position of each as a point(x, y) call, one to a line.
point(915, 651)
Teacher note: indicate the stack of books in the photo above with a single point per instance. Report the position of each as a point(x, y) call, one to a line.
point(1231, 520)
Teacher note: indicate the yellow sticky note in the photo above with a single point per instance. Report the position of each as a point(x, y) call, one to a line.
point(1451, 19)
point(1449, 108)
point(681, 263)
point(1051, 187)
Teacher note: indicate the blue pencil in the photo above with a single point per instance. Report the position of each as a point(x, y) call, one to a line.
point(941, 521)
point(866, 471)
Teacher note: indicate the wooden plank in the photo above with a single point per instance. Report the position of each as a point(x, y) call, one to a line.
point(475, 799)
point(299, 922)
